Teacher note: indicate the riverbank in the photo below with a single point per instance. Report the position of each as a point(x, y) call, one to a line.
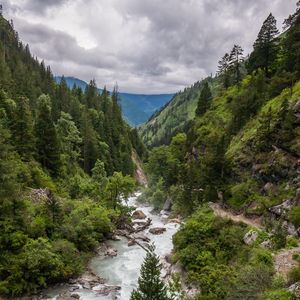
point(114, 276)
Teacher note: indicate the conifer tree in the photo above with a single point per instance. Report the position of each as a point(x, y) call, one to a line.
point(204, 100)
point(150, 286)
point(47, 142)
point(23, 129)
point(265, 47)
point(235, 60)
point(223, 69)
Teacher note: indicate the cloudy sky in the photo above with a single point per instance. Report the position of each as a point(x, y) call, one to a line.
point(148, 46)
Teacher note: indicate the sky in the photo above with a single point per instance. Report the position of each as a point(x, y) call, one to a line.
point(145, 46)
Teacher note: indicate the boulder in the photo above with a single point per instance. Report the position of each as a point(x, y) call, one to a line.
point(131, 243)
point(106, 289)
point(295, 290)
point(250, 237)
point(138, 214)
point(157, 230)
point(168, 205)
point(281, 209)
point(290, 228)
point(111, 252)
point(268, 188)
point(266, 244)
point(177, 221)
point(140, 236)
point(75, 296)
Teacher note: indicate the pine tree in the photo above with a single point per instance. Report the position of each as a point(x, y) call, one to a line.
point(265, 47)
point(204, 100)
point(23, 129)
point(47, 142)
point(235, 60)
point(223, 69)
point(150, 286)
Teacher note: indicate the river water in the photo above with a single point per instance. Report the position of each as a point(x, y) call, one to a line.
point(123, 269)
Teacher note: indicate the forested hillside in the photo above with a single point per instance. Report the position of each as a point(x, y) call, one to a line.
point(136, 108)
point(241, 151)
point(65, 164)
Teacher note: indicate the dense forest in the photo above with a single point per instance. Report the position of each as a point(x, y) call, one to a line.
point(65, 163)
point(240, 151)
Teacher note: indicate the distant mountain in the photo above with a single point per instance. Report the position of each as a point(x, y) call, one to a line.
point(136, 108)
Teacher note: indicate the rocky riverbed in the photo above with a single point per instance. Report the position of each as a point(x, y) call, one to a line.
point(113, 273)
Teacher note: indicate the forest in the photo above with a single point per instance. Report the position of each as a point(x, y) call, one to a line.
point(229, 143)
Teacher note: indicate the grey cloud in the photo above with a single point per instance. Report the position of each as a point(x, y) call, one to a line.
point(149, 45)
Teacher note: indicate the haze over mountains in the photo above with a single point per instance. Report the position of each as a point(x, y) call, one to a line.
point(136, 108)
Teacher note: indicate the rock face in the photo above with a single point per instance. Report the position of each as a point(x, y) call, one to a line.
point(250, 237)
point(157, 230)
point(138, 214)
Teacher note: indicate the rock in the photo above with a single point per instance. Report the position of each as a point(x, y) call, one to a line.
point(115, 238)
point(297, 195)
point(131, 243)
point(106, 289)
point(177, 221)
point(290, 228)
point(283, 208)
point(111, 252)
point(75, 296)
point(250, 237)
point(138, 214)
point(140, 236)
point(168, 205)
point(157, 230)
point(266, 244)
point(295, 289)
point(268, 188)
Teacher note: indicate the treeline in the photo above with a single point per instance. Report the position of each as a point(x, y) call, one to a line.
point(239, 150)
point(65, 164)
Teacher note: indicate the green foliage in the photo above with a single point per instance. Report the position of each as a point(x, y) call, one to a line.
point(204, 100)
point(119, 187)
point(279, 294)
point(294, 216)
point(150, 286)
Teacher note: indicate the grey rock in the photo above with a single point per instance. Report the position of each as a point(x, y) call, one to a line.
point(138, 214)
point(283, 208)
point(75, 296)
point(295, 289)
point(266, 244)
point(157, 230)
point(290, 228)
point(167, 205)
point(250, 237)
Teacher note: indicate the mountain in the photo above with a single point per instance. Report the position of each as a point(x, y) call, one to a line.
point(136, 108)
point(233, 171)
point(67, 158)
point(174, 116)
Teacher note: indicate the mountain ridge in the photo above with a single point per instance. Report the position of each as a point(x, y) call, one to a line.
point(136, 108)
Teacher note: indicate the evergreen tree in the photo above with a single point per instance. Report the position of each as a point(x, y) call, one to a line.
point(47, 142)
point(265, 47)
point(235, 61)
point(223, 70)
point(204, 100)
point(150, 286)
point(23, 129)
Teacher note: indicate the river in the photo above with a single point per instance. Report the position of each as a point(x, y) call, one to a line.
point(123, 269)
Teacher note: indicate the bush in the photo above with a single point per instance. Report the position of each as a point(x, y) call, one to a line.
point(294, 215)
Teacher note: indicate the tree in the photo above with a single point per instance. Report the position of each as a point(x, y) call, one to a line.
point(69, 138)
point(150, 286)
point(204, 100)
point(265, 47)
point(118, 187)
point(47, 142)
point(99, 174)
point(223, 69)
point(22, 129)
point(235, 61)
